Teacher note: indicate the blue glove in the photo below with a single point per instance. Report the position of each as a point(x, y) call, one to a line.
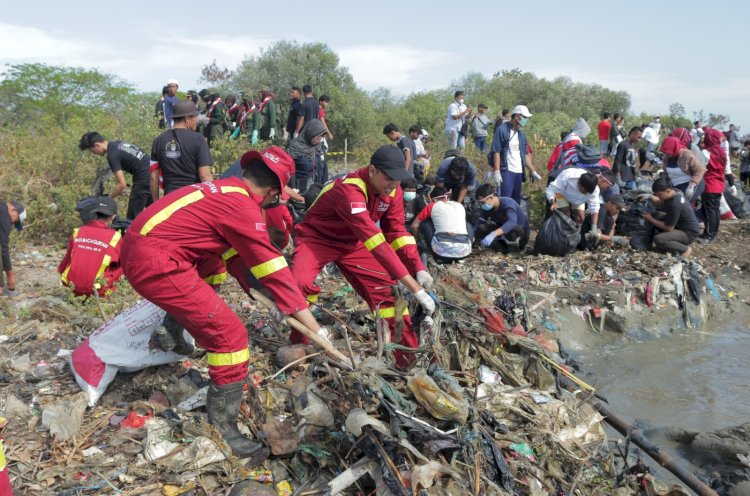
point(254, 137)
point(487, 241)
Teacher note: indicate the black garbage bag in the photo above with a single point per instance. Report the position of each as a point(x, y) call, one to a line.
point(634, 226)
point(558, 236)
point(735, 202)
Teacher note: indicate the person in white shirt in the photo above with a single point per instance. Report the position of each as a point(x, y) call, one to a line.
point(454, 121)
point(442, 224)
point(651, 136)
point(571, 191)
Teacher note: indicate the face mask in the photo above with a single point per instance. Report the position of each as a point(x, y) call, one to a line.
point(460, 101)
point(410, 195)
point(486, 207)
point(523, 121)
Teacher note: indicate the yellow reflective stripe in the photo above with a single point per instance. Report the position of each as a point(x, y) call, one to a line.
point(115, 239)
point(399, 243)
point(215, 279)
point(323, 190)
point(166, 212)
point(312, 298)
point(375, 241)
point(64, 276)
point(389, 313)
point(107, 258)
point(2, 457)
point(225, 359)
point(392, 194)
point(229, 254)
point(234, 189)
point(358, 183)
point(269, 267)
point(75, 233)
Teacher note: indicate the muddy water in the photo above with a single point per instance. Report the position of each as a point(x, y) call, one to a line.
point(696, 379)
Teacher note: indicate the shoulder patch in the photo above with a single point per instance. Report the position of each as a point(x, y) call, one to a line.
point(260, 226)
point(358, 207)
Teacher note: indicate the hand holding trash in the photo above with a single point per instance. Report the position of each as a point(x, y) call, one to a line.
point(690, 191)
point(426, 301)
point(535, 176)
point(425, 279)
point(487, 240)
point(619, 240)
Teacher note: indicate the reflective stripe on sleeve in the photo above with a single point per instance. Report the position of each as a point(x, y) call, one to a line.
point(389, 313)
point(234, 189)
point(64, 275)
point(399, 243)
point(375, 241)
point(358, 183)
point(269, 267)
point(312, 298)
point(225, 359)
point(166, 212)
point(216, 279)
point(2, 457)
point(229, 254)
point(107, 258)
point(323, 190)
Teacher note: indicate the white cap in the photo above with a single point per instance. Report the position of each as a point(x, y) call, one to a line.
point(424, 133)
point(521, 109)
point(173, 81)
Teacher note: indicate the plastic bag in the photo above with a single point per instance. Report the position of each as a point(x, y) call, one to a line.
point(440, 404)
point(558, 236)
point(121, 345)
point(64, 418)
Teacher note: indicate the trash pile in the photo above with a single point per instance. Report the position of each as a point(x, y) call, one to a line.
point(487, 408)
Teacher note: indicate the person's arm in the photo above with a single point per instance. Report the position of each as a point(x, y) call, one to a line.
point(407, 158)
point(153, 182)
point(511, 220)
point(300, 120)
point(120, 186)
point(294, 195)
point(204, 173)
point(462, 193)
point(660, 225)
point(593, 210)
point(325, 125)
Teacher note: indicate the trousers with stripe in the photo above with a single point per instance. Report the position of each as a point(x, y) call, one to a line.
point(178, 287)
point(368, 278)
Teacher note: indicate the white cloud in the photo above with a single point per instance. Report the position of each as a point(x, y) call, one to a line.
point(397, 67)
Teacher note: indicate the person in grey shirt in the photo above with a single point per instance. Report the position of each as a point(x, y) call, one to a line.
point(479, 124)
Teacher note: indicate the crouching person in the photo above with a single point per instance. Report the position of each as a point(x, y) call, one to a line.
point(92, 260)
point(572, 191)
point(605, 234)
point(676, 219)
point(442, 224)
point(502, 222)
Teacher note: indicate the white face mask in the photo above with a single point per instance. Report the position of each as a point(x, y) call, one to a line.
point(460, 101)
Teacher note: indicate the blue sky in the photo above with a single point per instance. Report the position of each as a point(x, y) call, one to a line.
point(664, 51)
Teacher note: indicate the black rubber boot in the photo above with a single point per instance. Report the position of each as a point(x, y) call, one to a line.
point(170, 337)
point(223, 406)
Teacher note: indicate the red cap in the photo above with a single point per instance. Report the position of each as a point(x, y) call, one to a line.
point(275, 159)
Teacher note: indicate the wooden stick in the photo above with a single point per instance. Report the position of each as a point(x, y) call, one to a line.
point(346, 335)
point(300, 327)
point(99, 304)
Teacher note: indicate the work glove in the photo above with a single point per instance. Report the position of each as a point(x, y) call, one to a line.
point(254, 138)
point(272, 134)
point(425, 279)
point(535, 176)
point(487, 240)
point(690, 191)
point(497, 177)
point(325, 334)
point(643, 197)
point(619, 240)
point(295, 135)
point(733, 190)
point(593, 237)
point(595, 230)
point(424, 299)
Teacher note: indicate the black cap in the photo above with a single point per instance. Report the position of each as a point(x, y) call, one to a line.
point(105, 206)
point(390, 159)
point(481, 105)
point(184, 109)
point(619, 201)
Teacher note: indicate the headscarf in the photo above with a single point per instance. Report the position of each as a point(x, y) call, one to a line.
point(712, 141)
point(717, 159)
point(672, 146)
point(683, 135)
point(302, 146)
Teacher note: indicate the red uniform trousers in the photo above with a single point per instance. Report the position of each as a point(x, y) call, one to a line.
point(178, 287)
point(371, 282)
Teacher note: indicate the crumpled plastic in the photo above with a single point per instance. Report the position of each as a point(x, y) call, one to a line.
point(64, 418)
point(437, 402)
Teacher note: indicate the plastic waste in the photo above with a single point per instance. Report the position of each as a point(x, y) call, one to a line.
point(200, 453)
point(280, 436)
point(64, 418)
point(424, 475)
point(358, 418)
point(155, 446)
point(488, 376)
point(440, 404)
point(310, 407)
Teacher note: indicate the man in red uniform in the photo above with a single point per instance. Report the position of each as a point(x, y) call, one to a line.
point(342, 227)
point(92, 260)
point(168, 244)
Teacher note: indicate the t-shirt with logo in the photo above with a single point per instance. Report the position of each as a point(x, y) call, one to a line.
point(179, 153)
point(123, 156)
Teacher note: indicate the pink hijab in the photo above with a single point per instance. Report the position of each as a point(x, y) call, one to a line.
point(683, 135)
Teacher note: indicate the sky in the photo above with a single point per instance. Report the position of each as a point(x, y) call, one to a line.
point(660, 52)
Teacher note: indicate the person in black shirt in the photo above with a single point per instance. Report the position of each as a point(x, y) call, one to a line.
point(182, 154)
point(294, 108)
point(406, 145)
point(123, 157)
point(678, 225)
point(307, 111)
point(12, 214)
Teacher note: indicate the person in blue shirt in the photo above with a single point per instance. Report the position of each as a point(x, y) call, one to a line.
point(502, 222)
point(170, 99)
point(457, 175)
point(508, 154)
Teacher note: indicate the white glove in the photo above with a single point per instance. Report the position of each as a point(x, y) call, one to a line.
point(295, 135)
point(426, 301)
point(595, 231)
point(498, 177)
point(272, 134)
point(536, 176)
point(425, 279)
point(325, 334)
point(733, 190)
point(690, 191)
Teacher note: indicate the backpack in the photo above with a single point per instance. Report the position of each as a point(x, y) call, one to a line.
point(588, 154)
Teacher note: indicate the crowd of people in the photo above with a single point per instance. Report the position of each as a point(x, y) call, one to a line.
point(186, 230)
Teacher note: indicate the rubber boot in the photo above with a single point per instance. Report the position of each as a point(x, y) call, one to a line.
point(170, 337)
point(223, 406)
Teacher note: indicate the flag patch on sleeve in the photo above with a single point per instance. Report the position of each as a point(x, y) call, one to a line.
point(358, 207)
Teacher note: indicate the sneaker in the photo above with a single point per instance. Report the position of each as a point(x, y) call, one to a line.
point(705, 241)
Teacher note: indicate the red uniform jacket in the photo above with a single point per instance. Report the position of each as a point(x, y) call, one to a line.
point(203, 221)
point(280, 218)
point(348, 213)
point(93, 257)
